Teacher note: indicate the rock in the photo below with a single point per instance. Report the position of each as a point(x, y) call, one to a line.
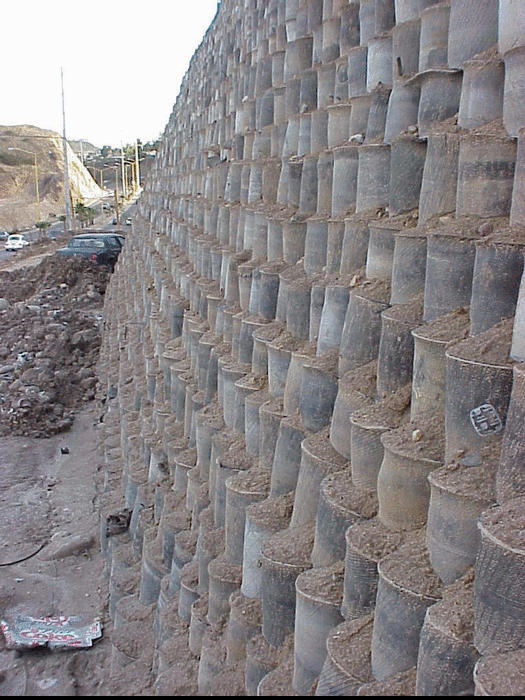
point(88, 382)
point(472, 459)
point(64, 424)
point(31, 375)
point(65, 546)
point(486, 228)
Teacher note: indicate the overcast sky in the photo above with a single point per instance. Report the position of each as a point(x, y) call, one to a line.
point(123, 62)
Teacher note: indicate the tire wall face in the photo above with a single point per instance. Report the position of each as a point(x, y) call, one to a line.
point(307, 186)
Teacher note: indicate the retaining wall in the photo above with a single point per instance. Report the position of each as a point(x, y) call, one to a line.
point(312, 346)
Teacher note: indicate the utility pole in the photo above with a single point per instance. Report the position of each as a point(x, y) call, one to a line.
point(64, 148)
point(137, 174)
point(124, 192)
point(116, 198)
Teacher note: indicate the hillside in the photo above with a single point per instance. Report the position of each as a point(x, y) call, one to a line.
point(18, 200)
point(83, 147)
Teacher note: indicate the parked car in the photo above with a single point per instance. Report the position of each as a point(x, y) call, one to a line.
point(100, 248)
point(114, 237)
point(128, 221)
point(3, 235)
point(16, 241)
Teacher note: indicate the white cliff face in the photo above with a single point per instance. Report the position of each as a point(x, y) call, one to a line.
point(82, 185)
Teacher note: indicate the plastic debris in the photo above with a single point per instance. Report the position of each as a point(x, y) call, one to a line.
point(25, 632)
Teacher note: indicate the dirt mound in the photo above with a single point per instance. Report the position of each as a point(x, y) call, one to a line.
point(50, 323)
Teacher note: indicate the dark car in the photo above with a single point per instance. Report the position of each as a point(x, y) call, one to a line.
point(101, 248)
point(114, 238)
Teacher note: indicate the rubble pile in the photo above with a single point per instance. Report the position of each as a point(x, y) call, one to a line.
point(50, 332)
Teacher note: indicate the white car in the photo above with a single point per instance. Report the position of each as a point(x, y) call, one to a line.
point(16, 241)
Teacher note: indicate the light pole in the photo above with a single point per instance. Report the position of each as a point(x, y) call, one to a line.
point(123, 172)
point(131, 166)
point(100, 171)
point(137, 173)
point(117, 212)
point(24, 150)
point(68, 203)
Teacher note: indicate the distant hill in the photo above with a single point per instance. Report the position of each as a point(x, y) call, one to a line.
point(18, 201)
point(83, 148)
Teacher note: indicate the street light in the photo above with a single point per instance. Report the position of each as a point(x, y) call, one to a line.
point(101, 172)
point(117, 212)
point(133, 165)
point(15, 148)
point(123, 173)
point(100, 175)
point(137, 172)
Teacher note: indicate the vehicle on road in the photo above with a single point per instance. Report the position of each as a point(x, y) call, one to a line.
point(128, 221)
point(3, 235)
point(16, 241)
point(100, 248)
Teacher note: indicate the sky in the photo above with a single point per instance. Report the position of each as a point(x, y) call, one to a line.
point(122, 60)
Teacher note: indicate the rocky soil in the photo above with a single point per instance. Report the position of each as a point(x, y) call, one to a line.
point(50, 333)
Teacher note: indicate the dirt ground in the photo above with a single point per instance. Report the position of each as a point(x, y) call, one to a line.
point(49, 498)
